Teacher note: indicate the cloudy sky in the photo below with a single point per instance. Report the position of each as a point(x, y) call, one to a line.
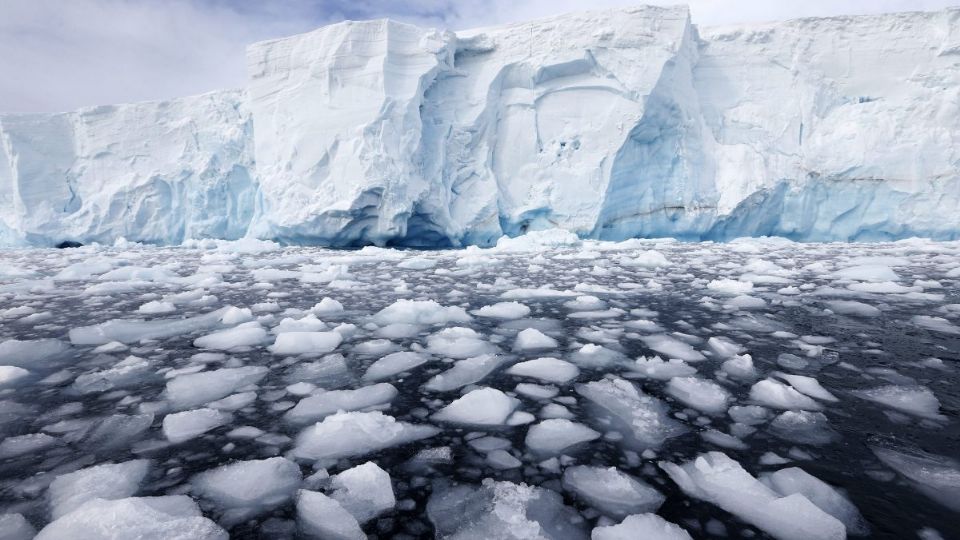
point(62, 54)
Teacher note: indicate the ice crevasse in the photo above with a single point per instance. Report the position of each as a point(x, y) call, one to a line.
point(610, 124)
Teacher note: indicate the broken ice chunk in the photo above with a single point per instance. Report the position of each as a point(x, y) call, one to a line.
point(531, 338)
point(715, 478)
point(656, 368)
point(105, 481)
point(701, 394)
point(245, 489)
point(355, 434)
point(502, 510)
point(673, 348)
point(319, 516)
point(174, 516)
point(244, 335)
point(193, 389)
point(365, 491)
point(777, 395)
point(912, 399)
point(293, 343)
point(481, 407)
point(503, 310)
point(554, 436)
point(428, 312)
point(611, 491)
point(458, 342)
point(938, 477)
point(464, 372)
point(546, 369)
point(323, 404)
point(183, 426)
point(796, 480)
point(644, 418)
point(393, 364)
point(646, 526)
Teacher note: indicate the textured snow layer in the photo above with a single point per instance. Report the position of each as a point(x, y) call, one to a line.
point(610, 124)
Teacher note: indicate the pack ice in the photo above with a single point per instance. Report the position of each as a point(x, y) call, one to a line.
point(610, 124)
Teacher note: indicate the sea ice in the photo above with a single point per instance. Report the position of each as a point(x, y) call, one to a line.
point(426, 312)
point(174, 517)
point(245, 489)
point(914, 399)
point(245, 335)
point(481, 407)
point(186, 425)
point(531, 339)
point(458, 342)
point(393, 364)
point(503, 310)
point(464, 372)
point(672, 348)
point(715, 478)
point(349, 434)
point(611, 491)
point(646, 526)
point(645, 418)
point(105, 481)
point(293, 343)
point(324, 403)
point(777, 395)
point(194, 389)
point(701, 394)
point(502, 510)
point(554, 436)
point(319, 516)
point(546, 369)
point(365, 491)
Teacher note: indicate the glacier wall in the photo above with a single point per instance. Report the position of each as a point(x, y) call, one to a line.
point(611, 124)
point(153, 172)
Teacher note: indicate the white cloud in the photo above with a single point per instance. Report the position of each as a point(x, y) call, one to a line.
point(64, 54)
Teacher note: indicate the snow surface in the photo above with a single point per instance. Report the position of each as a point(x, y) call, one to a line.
point(608, 124)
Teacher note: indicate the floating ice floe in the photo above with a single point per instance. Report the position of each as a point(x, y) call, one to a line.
point(319, 516)
point(646, 526)
point(325, 403)
point(425, 312)
point(105, 481)
point(293, 343)
point(554, 436)
point(458, 342)
point(644, 419)
point(531, 339)
point(777, 395)
point(715, 478)
point(701, 394)
point(349, 434)
point(672, 348)
point(244, 335)
point(658, 369)
point(546, 369)
point(245, 489)
point(186, 425)
point(194, 389)
point(480, 407)
point(611, 491)
point(464, 372)
point(502, 510)
point(174, 516)
point(913, 399)
point(393, 364)
point(365, 491)
point(938, 477)
point(795, 480)
point(503, 310)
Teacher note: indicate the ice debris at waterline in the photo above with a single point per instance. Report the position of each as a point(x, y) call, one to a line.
point(547, 388)
point(609, 124)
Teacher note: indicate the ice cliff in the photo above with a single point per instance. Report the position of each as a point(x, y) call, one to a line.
point(611, 124)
